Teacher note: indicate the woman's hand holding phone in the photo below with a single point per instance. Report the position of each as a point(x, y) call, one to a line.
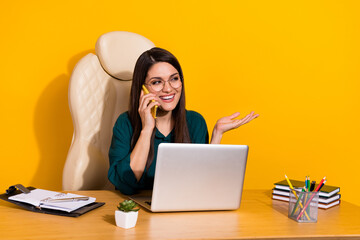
point(146, 104)
point(154, 109)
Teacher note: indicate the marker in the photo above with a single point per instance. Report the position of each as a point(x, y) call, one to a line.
point(312, 187)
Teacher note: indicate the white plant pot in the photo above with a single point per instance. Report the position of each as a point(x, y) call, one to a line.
point(126, 219)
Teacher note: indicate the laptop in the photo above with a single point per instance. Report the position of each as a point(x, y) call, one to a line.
point(196, 177)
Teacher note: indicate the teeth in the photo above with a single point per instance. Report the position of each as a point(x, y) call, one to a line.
point(167, 97)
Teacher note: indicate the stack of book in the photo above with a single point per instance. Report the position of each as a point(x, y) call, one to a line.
point(329, 196)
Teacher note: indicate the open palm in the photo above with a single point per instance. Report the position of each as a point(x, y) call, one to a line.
point(225, 124)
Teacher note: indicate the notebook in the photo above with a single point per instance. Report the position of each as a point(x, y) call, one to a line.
point(33, 201)
point(45, 199)
point(196, 177)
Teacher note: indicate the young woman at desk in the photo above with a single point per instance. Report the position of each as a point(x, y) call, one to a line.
point(137, 134)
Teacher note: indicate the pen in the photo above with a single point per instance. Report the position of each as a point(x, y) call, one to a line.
point(291, 187)
point(73, 199)
point(312, 196)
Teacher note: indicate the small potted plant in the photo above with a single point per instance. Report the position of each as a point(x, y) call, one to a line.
point(127, 215)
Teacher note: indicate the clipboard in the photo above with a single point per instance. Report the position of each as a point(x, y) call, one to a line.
point(18, 189)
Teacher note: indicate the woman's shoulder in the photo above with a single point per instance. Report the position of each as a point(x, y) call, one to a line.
point(194, 117)
point(197, 127)
point(193, 114)
point(123, 119)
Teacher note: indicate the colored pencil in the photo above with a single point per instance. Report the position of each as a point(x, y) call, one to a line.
point(291, 187)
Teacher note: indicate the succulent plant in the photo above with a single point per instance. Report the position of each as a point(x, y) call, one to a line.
point(128, 206)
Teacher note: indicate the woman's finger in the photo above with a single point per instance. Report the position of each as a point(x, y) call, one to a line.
point(246, 118)
point(254, 116)
point(145, 100)
point(249, 118)
point(234, 115)
point(152, 104)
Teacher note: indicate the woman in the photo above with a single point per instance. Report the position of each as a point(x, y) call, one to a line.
point(137, 135)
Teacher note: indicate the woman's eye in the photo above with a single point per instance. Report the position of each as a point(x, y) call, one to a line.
point(175, 79)
point(155, 83)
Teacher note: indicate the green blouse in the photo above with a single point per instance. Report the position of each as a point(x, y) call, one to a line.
point(120, 173)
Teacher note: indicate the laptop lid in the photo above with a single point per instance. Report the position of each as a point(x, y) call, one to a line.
point(198, 177)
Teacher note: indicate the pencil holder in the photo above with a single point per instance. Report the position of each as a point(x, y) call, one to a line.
point(303, 206)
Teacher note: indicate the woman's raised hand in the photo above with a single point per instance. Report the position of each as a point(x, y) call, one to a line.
point(228, 123)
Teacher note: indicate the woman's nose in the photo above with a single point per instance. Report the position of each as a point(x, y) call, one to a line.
point(167, 87)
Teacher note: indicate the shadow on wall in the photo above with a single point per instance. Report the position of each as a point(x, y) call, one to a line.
point(53, 129)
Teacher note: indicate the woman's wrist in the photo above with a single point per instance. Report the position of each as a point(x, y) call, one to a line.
point(146, 131)
point(216, 136)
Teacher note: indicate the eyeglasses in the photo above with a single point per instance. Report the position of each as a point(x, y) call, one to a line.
point(157, 84)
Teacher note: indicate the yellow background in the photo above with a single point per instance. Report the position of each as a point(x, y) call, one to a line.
point(296, 63)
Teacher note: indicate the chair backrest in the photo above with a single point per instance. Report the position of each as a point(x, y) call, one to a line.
point(99, 92)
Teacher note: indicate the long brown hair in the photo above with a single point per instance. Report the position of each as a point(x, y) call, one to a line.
point(143, 64)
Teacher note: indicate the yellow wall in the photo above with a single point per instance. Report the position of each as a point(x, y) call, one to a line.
point(294, 62)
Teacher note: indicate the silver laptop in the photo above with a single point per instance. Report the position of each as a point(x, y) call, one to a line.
point(196, 177)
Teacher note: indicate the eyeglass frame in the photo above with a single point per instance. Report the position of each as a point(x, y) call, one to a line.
point(167, 81)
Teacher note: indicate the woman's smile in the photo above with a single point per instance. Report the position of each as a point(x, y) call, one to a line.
point(167, 98)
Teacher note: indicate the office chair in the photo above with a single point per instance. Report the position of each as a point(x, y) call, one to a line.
point(99, 92)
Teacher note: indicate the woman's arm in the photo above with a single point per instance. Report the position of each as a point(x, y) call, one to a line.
point(120, 173)
point(228, 123)
point(139, 155)
point(126, 165)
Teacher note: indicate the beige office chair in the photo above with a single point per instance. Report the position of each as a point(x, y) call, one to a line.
point(99, 91)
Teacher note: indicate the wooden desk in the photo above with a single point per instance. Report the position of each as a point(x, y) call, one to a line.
point(259, 217)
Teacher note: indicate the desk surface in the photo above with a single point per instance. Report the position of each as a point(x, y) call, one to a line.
point(259, 217)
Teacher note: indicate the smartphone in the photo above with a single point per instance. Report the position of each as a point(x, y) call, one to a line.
point(154, 109)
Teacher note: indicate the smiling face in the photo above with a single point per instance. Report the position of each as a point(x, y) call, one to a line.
point(169, 96)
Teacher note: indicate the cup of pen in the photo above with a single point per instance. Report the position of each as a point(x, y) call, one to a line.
point(303, 206)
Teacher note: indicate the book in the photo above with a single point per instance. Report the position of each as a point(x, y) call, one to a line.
point(322, 199)
point(326, 190)
point(320, 205)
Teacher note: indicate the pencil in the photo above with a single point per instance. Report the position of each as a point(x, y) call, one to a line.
point(304, 189)
point(291, 187)
point(312, 196)
point(297, 202)
point(308, 188)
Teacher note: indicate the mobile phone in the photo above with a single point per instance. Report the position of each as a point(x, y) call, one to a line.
point(154, 109)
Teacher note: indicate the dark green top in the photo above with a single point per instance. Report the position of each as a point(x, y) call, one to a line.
point(120, 173)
